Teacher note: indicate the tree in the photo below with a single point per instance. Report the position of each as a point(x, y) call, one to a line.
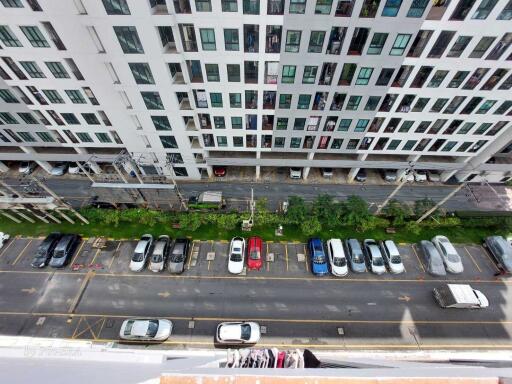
point(297, 210)
point(423, 205)
point(398, 211)
point(310, 226)
point(356, 213)
point(261, 204)
point(327, 210)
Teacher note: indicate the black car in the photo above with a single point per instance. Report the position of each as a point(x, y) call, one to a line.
point(45, 251)
point(178, 256)
point(64, 250)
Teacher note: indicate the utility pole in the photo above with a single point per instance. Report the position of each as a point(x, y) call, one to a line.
point(403, 181)
point(444, 200)
point(169, 163)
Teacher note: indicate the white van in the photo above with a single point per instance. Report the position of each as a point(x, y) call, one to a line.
point(295, 173)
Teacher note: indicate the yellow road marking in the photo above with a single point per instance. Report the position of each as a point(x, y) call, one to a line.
point(286, 255)
point(101, 328)
point(473, 260)
point(190, 254)
point(268, 262)
point(8, 246)
point(95, 255)
point(90, 328)
point(77, 327)
point(419, 261)
point(306, 259)
point(114, 255)
point(21, 253)
point(89, 275)
point(77, 253)
point(493, 263)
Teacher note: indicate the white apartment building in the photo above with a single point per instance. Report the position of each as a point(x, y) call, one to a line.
point(186, 85)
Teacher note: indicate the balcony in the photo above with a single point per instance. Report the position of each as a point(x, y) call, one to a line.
point(327, 73)
point(336, 40)
point(182, 6)
point(344, 8)
point(369, 8)
point(269, 100)
point(185, 104)
point(273, 39)
point(178, 78)
point(251, 38)
point(191, 125)
point(194, 142)
point(267, 141)
point(319, 101)
point(275, 7)
point(268, 122)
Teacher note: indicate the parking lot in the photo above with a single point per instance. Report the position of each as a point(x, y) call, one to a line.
point(90, 297)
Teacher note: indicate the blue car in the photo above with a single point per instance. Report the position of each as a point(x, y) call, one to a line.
point(317, 255)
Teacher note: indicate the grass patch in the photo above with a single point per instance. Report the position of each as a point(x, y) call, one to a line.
point(130, 230)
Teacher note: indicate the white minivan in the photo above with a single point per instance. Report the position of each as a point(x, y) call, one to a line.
point(337, 258)
point(295, 173)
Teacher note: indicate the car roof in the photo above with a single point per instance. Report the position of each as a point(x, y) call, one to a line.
point(337, 247)
point(374, 250)
point(141, 245)
point(230, 331)
point(64, 241)
point(391, 247)
point(139, 328)
point(159, 247)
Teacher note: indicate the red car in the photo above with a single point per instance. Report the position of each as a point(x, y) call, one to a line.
point(219, 171)
point(254, 253)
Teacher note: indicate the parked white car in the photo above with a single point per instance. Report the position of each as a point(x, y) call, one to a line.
point(374, 257)
point(160, 254)
point(238, 332)
point(59, 169)
point(337, 258)
point(236, 255)
point(392, 256)
point(3, 238)
point(27, 167)
point(141, 253)
point(420, 176)
point(145, 329)
point(449, 254)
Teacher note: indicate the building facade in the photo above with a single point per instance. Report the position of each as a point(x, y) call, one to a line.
point(186, 85)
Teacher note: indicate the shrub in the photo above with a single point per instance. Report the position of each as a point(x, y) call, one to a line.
point(310, 226)
point(413, 227)
point(327, 211)
point(228, 221)
point(397, 211)
point(297, 210)
point(355, 213)
point(190, 221)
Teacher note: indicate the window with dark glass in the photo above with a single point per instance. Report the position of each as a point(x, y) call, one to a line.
point(128, 39)
point(231, 42)
point(316, 41)
point(377, 43)
point(385, 76)
point(297, 6)
point(437, 79)
point(475, 78)
point(229, 6)
point(273, 39)
point(32, 69)
point(495, 78)
point(458, 79)
point(34, 36)
point(323, 7)
point(285, 101)
point(506, 13)
point(417, 8)
point(391, 8)
point(419, 43)
point(459, 46)
point(421, 76)
point(142, 73)
point(212, 72)
point(161, 123)
point(235, 100)
point(275, 7)
point(8, 38)
point(152, 100)
point(233, 72)
point(358, 41)
point(251, 36)
point(462, 9)
point(251, 7)
point(336, 38)
point(441, 44)
point(500, 47)
point(482, 47)
point(483, 10)
point(369, 8)
point(344, 8)
point(116, 7)
point(347, 74)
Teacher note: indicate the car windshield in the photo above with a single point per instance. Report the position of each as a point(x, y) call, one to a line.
point(339, 261)
point(319, 259)
point(152, 328)
point(137, 256)
point(235, 257)
point(396, 259)
point(128, 329)
point(255, 255)
point(177, 256)
point(157, 258)
point(452, 258)
point(59, 254)
point(377, 261)
point(246, 331)
point(358, 259)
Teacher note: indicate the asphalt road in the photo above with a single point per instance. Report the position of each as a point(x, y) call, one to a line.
point(78, 192)
point(360, 311)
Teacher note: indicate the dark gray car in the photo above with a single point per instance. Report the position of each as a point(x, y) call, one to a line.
point(64, 250)
point(45, 250)
point(178, 256)
point(435, 265)
point(501, 250)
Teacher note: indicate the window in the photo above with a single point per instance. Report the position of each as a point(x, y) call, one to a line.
point(391, 8)
point(229, 6)
point(129, 39)
point(292, 41)
point(441, 43)
point(275, 7)
point(361, 125)
point(295, 142)
point(297, 6)
point(46, 137)
point(503, 108)
point(482, 47)
point(75, 96)
point(454, 104)
point(282, 123)
point(161, 123)
point(7, 118)
point(506, 14)
point(400, 44)
point(316, 41)
point(309, 75)
point(251, 72)
point(203, 6)
point(12, 3)
point(344, 8)
point(152, 100)
point(485, 107)
point(372, 103)
point(231, 41)
point(304, 101)
point(358, 41)
point(353, 103)
point(352, 144)
point(385, 76)
point(458, 79)
point(34, 35)
point(406, 126)
point(251, 7)
point(458, 47)
point(471, 105)
point(285, 101)
point(323, 7)
point(57, 70)
point(53, 96)
point(273, 39)
point(222, 141)
point(421, 76)
point(336, 38)
point(347, 74)
point(8, 37)
point(142, 73)
point(437, 79)
point(236, 122)
point(483, 10)
point(495, 78)
point(32, 69)
point(462, 9)
point(299, 123)
point(90, 118)
point(169, 142)
point(417, 8)
point(235, 100)
point(475, 78)
point(216, 99)
point(233, 72)
point(207, 39)
point(70, 118)
point(500, 47)
point(419, 43)
point(438, 105)
point(377, 43)
point(116, 7)
point(26, 136)
point(369, 8)
point(288, 75)
point(212, 72)
point(364, 76)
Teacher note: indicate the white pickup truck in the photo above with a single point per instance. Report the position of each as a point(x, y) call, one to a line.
point(460, 296)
